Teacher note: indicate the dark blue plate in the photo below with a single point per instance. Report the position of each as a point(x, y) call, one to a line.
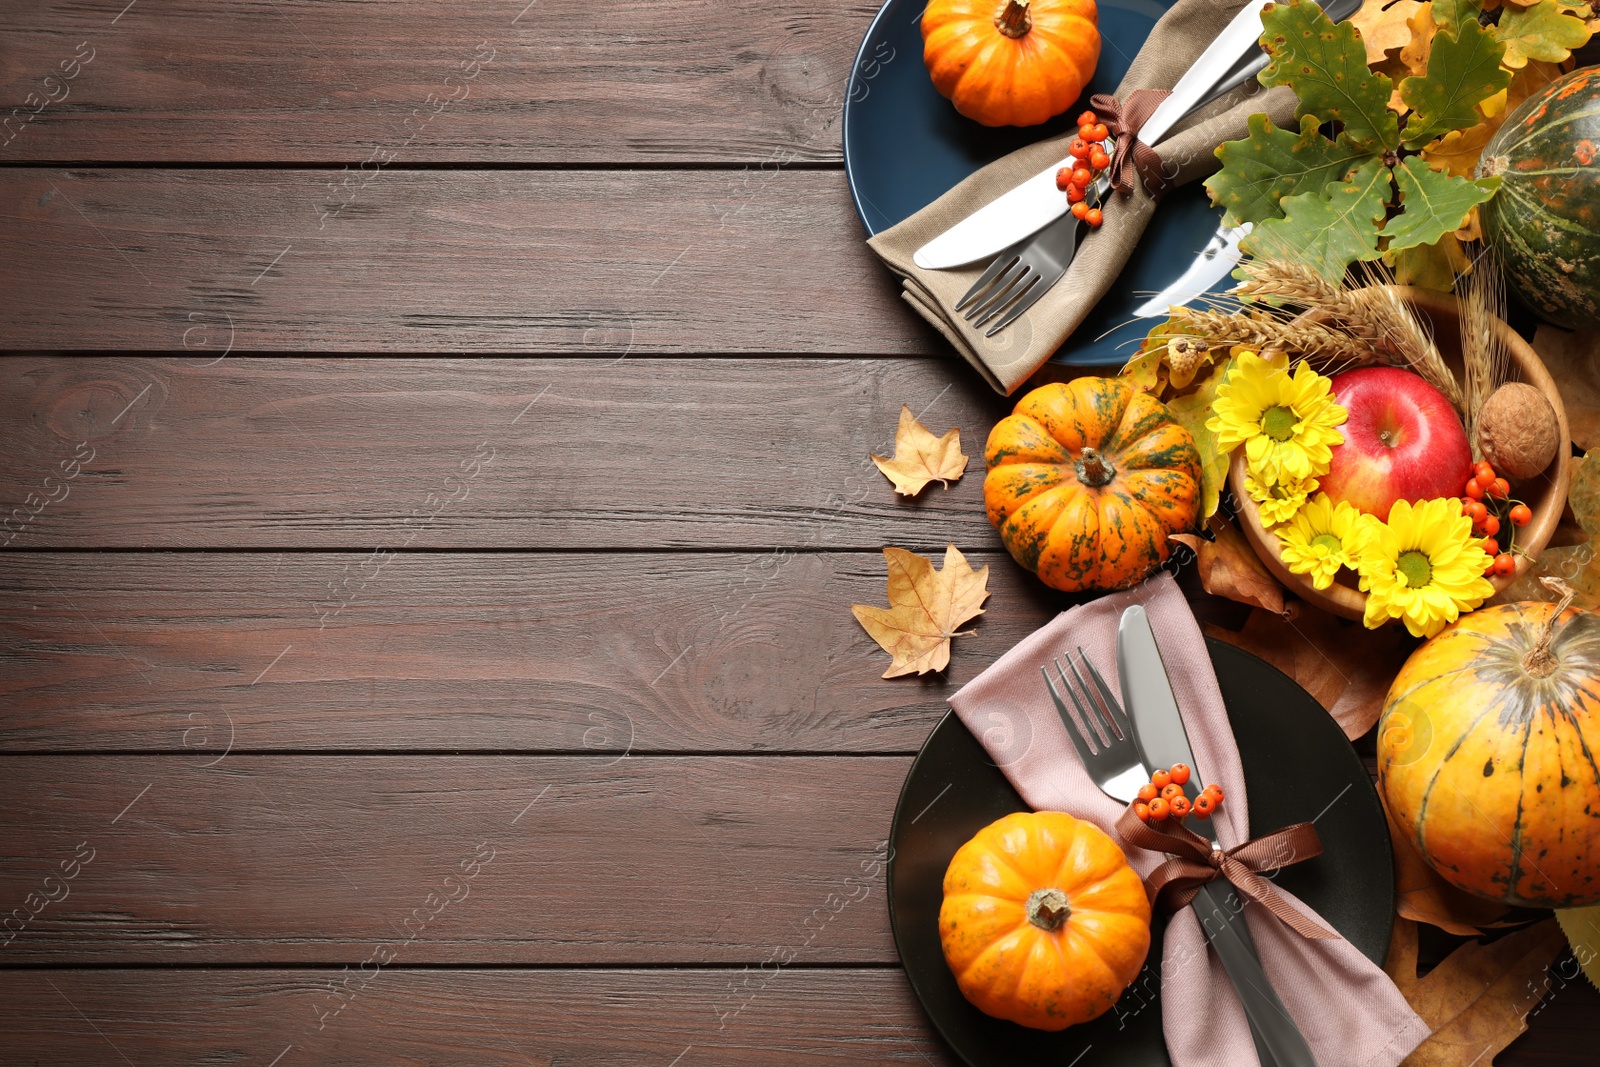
point(905, 145)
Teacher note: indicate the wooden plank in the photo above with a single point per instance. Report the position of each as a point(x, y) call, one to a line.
point(574, 453)
point(627, 81)
point(565, 860)
point(214, 653)
point(695, 1018)
point(602, 262)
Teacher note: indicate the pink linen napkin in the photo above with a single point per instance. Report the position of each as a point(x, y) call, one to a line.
point(1350, 1012)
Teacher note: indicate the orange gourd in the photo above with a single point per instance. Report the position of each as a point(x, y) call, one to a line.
point(1015, 63)
point(1086, 480)
point(1043, 921)
point(1487, 754)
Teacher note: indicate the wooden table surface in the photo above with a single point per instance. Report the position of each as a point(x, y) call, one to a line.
point(439, 439)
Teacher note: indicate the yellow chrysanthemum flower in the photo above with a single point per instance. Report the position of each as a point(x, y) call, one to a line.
point(1324, 536)
point(1423, 566)
point(1278, 503)
point(1285, 422)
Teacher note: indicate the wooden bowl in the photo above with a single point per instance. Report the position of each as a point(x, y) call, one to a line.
point(1546, 493)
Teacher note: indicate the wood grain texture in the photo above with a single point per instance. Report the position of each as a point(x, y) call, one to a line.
point(590, 859)
point(603, 262)
point(575, 453)
point(627, 81)
point(566, 653)
point(488, 1018)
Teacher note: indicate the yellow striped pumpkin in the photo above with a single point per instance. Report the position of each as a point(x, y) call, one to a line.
point(1086, 480)
point(1487, 754)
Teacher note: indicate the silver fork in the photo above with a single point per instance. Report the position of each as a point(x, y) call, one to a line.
point(1023, 273)
point(1109, 748)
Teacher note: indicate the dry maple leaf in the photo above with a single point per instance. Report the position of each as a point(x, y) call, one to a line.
point(1422, 896)
point(920, 457)
point(1229, 567)
point(1383, 26)
point(925, 607)
point(1582, 927)
point(1345, 667)
point(1477, 1000)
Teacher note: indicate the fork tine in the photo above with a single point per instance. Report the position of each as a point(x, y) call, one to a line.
point(1027, 301)
point(1034, 284)
point(1085, 718)
point(1099, 717)
point(1074, 732)
point(1119, 718)
point(1001, 291)
point(1001, 262)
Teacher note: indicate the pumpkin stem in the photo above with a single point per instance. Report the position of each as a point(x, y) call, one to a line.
point(1540, 661)
point(1093, 470)
point(1013, 19)
point(1048, 909)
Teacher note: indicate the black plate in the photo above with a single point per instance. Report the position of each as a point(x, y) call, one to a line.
point(905, 145)
point(1296, 760)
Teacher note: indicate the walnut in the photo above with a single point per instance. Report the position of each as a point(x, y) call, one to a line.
point(1517, 431)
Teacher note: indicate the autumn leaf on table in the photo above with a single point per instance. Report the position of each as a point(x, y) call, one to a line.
point(1582, 927)
point(1463, 71)
point(1383, 26)
point(1228, 567)
point(925, 608)
point(1326, 66)
point(1477, 1001)
point(1543, 32)
point(920, 457)
point(1578, 565)
point(1328, 232)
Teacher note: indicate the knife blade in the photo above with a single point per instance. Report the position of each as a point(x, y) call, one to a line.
point(1160, 734)
point(1035, 203)
point(1215, 262)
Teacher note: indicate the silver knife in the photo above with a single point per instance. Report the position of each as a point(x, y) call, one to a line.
point(1213, 263)
point(1161, 737)
point(1037, 202)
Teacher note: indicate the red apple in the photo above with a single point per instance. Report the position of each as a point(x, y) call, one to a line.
point(1403, 441)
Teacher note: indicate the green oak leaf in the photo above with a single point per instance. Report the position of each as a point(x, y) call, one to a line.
point(1326, 66)
point(1463, 71)
point(1542, 31)
point(1270, 164)
point(1449, 15)
point(1434, 204)
point(1328, 231)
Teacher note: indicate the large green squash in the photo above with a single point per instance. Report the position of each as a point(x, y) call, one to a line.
point(1545, 221)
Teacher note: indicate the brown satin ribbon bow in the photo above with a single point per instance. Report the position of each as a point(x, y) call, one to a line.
point(1125, 118)
point(1194, 862)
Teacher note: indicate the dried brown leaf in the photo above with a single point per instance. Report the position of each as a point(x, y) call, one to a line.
point(925, 608)
point(1347, 668)
point(1229, 568)
point(1573, 359)
point(1582, 927)
point(920, 457)
point(1422, 896)
point(1477, 1000)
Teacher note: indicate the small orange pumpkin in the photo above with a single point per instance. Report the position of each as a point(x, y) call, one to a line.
point(1043, 921)
point(1017, 64)
point(1086, 480)
point(1487, 754)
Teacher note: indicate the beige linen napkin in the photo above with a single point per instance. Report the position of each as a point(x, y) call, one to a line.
point(1007, 359)
point(1350, 1012)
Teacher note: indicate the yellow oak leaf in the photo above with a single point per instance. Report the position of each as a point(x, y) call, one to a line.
point(1383, 26)
point(1415, 54)
point(925, 607)
point(1544, 31)
point(1457, 152)
point(920, 457)
point(1477, 1000)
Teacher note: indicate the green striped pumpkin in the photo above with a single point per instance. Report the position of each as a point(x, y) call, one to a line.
point(1545, 221)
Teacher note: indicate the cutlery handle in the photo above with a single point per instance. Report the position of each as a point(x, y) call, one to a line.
point(1279, 1041)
